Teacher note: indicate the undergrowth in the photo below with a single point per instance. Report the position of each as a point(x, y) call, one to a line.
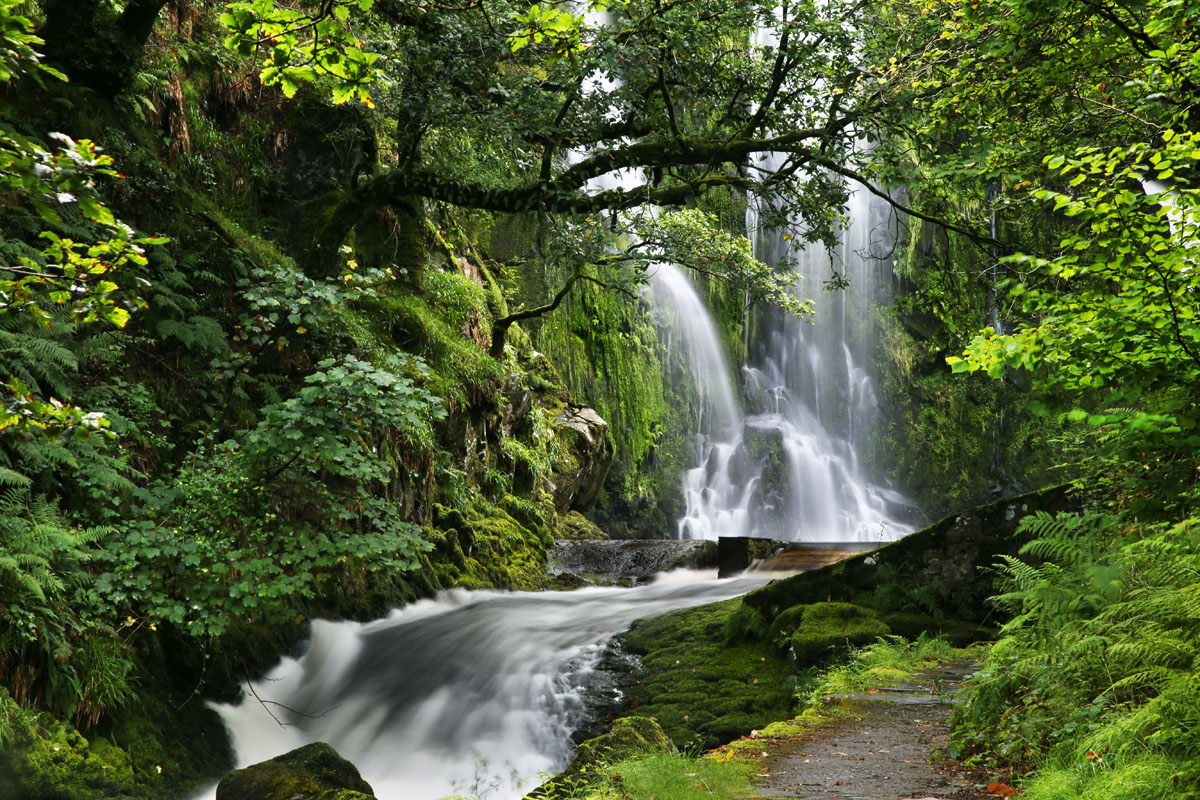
point(1092, 689)
point(672, 775)
point(887, 661)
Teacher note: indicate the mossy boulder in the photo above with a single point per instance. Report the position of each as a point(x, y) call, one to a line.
point(826, 628)
point(574, 525)
point(702, 688)
point(628, 737)
point(312, 772)
point(45, 759)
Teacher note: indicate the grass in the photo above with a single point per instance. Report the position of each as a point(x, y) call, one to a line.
point(672, 776)
point(886, 662)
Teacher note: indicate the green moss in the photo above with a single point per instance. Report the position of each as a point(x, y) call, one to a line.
point(313, 771)
point(45, 759)
point(486, 547)
point(702, 690)
point(745, 624)
point(574, 525)
point(828, 628)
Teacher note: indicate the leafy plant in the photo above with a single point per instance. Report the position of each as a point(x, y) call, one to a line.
point(1095, 669)
point(53, 650)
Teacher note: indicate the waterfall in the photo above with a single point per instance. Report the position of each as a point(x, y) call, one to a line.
point(683, 315)
point(792, 470)
point(472, 692)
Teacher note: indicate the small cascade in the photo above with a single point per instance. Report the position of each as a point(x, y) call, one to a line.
point(471, 693)
point(792, 470)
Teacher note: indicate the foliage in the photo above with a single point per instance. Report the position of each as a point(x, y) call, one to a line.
point(73, 276)
point(1096, 667)
point(249, 531)
point(1053, 164)
point(1114, 311)
point(52, 650)
point(885, 662)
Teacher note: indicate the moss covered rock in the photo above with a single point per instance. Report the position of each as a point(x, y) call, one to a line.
point(629, 737)
point(702, 688)
point(312, 772)
point(826, 628)
point(45, 759)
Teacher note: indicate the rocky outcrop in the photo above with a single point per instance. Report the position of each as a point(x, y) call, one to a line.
point(628, 560)
point(583, 463)
point(941, 563)
point(312, 772)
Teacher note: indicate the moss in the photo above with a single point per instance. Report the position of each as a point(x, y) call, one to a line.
point(307, 773)
point(46, 759)
point(702, 690)
point(574, 525)
point(745, 624)
point(628, 738)
point(487, 547)
point(830, 628)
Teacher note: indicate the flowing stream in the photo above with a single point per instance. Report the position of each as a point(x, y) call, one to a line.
point(472, 692)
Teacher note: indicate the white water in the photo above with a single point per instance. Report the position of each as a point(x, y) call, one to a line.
point(471, 692)
point(689, 327)
point(791, 470)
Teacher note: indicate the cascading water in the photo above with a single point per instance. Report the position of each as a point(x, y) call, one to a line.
point(792, 470)
point(683, 313)
point(472, 692)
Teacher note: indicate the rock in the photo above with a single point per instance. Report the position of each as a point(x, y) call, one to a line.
point(628, 560)
point(629, 737)
point(584, 461)
point(312, 772)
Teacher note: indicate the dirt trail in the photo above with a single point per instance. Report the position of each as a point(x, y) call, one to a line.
point(880, 750)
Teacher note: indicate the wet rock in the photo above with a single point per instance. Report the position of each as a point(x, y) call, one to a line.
point(312, 772)
point(586, 456)
point(628, 561)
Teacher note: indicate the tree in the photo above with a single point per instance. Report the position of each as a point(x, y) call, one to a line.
point(504, 106)
point(1074, 124)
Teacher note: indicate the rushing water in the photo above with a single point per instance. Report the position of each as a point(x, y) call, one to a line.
point(471, 692)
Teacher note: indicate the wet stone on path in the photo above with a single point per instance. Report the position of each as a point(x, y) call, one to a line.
point(880, 750)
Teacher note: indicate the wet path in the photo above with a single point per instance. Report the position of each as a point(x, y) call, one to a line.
point(883, 746)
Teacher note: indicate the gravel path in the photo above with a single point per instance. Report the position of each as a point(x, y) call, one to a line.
point(880, 750)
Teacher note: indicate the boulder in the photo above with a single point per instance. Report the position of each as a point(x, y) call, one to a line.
point(312, 772)
point(584, 460)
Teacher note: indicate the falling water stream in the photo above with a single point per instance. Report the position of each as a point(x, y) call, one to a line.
point(472, 692)
point(791, 467)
